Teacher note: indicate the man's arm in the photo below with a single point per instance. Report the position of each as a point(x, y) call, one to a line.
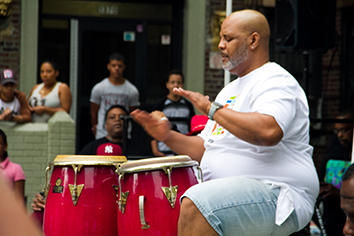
point(25, 113)
point(132, 108)
point(192, 146)
point(255, 128)
point(94, 112)
point(155, 149)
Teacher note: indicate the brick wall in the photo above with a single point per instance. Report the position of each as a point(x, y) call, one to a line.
point(331, 89)
point(34, 145)
point(10, 38)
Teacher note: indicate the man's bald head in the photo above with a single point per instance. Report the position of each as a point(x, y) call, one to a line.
point(250, 21)
point(244, 41)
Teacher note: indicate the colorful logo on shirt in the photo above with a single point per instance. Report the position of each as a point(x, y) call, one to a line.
point(230, 103)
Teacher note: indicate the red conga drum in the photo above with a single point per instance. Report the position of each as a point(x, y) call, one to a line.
point(149, 193)
point(81, 196)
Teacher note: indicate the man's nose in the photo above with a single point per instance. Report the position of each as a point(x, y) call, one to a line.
point(221, 45)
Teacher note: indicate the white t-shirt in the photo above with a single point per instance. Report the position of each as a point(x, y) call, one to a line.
point(51, 100)
point(273, 91)
point(14, 106)
point(106, 95)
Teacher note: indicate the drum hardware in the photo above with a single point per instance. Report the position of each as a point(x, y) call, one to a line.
point(170, 192)
point(200, 174)
point(143, 180)
point(75, 190)
point(44, 192)
point(123, 196)
point(144, 225)
point(115, 187)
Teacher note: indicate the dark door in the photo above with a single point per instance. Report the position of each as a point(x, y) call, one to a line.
point(97, 40)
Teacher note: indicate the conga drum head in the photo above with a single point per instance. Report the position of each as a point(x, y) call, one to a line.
point(82, 196)
point(149, 193)
point(156, 164)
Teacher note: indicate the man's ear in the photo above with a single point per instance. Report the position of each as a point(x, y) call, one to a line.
point(254, 40)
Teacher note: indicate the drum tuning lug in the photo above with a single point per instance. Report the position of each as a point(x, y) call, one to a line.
point(75, 192)
point(170, 192)
point(123, 201)
point(115, 187)
point(75, 189)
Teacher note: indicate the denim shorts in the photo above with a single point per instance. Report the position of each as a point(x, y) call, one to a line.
point(240, 206)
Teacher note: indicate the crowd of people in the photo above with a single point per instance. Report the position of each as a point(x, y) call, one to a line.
point(252, 142)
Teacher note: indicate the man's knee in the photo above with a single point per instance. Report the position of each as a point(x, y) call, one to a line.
point(191, 220)
point(188, 208)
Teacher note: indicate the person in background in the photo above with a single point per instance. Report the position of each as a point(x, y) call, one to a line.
point(173, 105)
point(254, 146)
point(347, 200)
point(114, 90)
point(112, 144)
point(49, 96)
point(13, 103)
point(330, 173)
point(12, 172)
point(198, 123)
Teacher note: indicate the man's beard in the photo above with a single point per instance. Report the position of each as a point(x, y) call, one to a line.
point(236, 59)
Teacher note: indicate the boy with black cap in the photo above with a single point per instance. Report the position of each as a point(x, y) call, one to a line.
point(13, 103)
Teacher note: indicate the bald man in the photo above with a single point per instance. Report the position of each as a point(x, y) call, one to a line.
point(254, 151)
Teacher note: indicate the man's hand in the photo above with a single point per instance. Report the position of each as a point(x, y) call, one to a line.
point(200, 101)
point(327, 190)
point(38, 204)
point(6, 115)
point(94, 129)
point(153, 123)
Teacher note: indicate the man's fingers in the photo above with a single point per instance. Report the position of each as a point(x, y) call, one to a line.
point(142, 117)
point(181, 91)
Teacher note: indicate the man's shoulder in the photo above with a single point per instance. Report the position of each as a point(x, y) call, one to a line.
point(159, 104)
point(130, 84)
point(101, 83)
point(20, 94)
point(89, 148)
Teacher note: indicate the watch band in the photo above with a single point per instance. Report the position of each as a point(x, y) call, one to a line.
point(213, 107)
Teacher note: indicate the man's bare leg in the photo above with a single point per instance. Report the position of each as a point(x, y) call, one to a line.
point(192, 222)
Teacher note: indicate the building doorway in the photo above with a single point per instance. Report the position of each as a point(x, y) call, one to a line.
point(100, 28)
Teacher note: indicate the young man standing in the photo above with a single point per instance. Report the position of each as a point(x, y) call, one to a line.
point(114, 90)
point(173, 105)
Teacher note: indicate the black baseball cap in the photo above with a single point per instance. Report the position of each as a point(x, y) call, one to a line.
point(7, 76)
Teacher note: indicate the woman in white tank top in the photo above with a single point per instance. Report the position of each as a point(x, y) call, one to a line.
point(50, 96)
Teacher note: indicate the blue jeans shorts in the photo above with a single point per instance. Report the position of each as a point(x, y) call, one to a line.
point(240, 206)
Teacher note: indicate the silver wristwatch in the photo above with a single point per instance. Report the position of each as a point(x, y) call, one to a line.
point(214, 106)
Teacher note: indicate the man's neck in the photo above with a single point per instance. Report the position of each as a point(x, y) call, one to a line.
point(114, 140)
point(6, 99)
point(116, 81)
point(173, 97)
